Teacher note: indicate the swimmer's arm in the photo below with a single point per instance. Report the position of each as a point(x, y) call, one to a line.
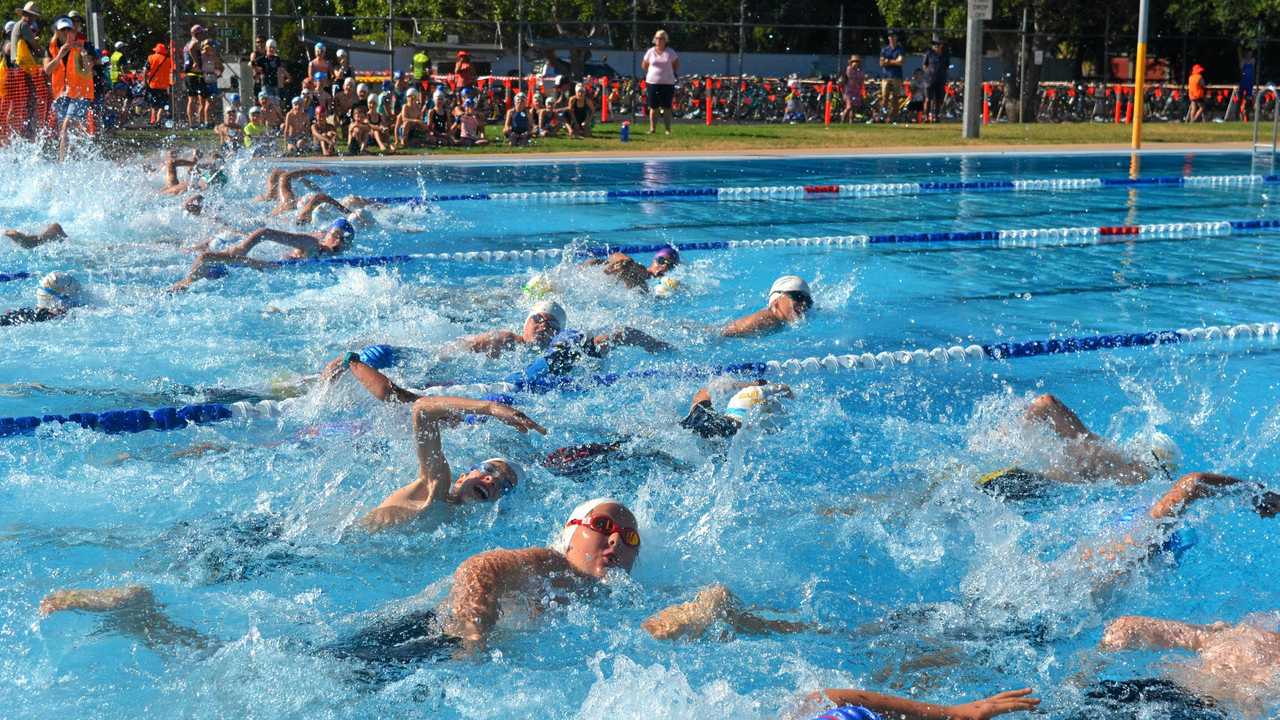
point(894, 707)
point(625, 336)
point(757, 322)
point(379, 386)
point(713, 603)
point(491, 343)
point(1188, 489)
point(1137, 632)
point(482, 579)
point(433, 471)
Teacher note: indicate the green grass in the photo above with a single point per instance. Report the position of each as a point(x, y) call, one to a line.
point(733, 137)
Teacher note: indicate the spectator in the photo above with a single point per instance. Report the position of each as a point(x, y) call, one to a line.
point(1195, 93)
point(269, 70)
point(470, 128)
point(541, 117)
point(517, 129)
point(193, 73)
point(891, 83)
point(936, 63)
point(231, 135)
point(255, 131)
point(344, 100)
point(852, 86)
point(117, 63)
point(297, 129)
point(662, 66)
point(70, 71)
point(320, 68)
point(158, 81)
point(362, 95)
point(465, 71)
point(324, 134)
point(30, 75)
point(272, 118)
point(438, 122)
point(211, 61)
point(422, 69)
point(916, 94)
point(259, 50)
point(409, 121)
point(342, 71)
point(578, 115)
point(1248, 70)
point(233, 104)
point(401, 89)
point(793, 111)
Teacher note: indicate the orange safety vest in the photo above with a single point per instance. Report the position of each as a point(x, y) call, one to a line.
point(159, 71)
point(68, 80)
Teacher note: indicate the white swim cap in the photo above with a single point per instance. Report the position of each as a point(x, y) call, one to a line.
point(552, 308)
point(561, 543)
point(58, 291)
point(666, 287)
point(516, 469)
point(271, 43)
point(1163, 450)
point(789, 283)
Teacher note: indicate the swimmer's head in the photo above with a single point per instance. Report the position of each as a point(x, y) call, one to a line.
point(538, 287)
point(194, 204)
point(59, 291)
point(341, 231)
point(600, 534)
point(663, 261)
point(487, 482)
point(758, 406)
point(666, 287)
point(296, 102)
point(545, 319)
point(255, 112)
point(1159, 450)
point(794, 287)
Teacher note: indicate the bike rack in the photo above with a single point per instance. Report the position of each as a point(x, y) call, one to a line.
point(1269, 149)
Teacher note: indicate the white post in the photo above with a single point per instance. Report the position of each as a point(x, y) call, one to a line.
point(978, 11)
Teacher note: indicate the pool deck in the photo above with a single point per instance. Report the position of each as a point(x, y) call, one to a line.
point(799, 153)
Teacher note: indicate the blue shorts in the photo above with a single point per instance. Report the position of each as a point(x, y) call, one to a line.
point(71, 108)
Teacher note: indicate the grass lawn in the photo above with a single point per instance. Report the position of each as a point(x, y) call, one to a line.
point(763, 138)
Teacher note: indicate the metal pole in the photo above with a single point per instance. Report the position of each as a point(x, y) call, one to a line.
point(973, 76)
point(634, 43)
point(1140, 73)
point(254, 10)
point(1022, 69)
point(840, 62)
point(270, 31)
point(1106, 47)
point(391, 31)
point(742, 33)
point(520, 41)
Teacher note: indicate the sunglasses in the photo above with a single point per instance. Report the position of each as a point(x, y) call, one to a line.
point(506, 483)
point(605, 525)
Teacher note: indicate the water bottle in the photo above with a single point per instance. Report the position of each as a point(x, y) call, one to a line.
point(624, 133)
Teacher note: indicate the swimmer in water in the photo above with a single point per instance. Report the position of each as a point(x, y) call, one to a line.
point(49, 234)
point(750, 400)
point(213, 175)
point(1236, 668)
point(545, 327)
point(330, 241)
point(280, 188)
point(789, 302)
point(599, 537)
point(57, 294)
point(851, 704)
point(632, 274)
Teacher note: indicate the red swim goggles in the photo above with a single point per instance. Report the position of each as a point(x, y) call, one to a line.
point(605, 525)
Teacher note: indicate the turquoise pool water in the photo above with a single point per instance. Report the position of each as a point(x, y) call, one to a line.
point(245, 530)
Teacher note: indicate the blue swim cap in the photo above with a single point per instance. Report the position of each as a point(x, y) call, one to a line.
point(849, 712)
point(348, 231)
point(1179, 542)
point(378, 356)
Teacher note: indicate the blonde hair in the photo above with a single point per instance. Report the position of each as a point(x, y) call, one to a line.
point(662, 34)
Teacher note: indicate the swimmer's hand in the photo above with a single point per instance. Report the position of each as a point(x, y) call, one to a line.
point(1267, 504)
point(514, 418)
point(1005, 702)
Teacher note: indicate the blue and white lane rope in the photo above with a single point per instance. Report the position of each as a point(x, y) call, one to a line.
point(858, 190)
point(1010, 238)
point(132, 421)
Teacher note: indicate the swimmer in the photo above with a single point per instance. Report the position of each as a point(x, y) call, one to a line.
point(544, 321)
point(789, 301)
point(599, 537)
point(280, 188)
point(1088, 457)
point(1236, 667)
point(632, 274)
point(331, 241)
point(51, 233)
point(57, 294)
point(851, 704)
point(174, 186)
point(751, 400)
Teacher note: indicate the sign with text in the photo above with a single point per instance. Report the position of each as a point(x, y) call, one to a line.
point(981, 9)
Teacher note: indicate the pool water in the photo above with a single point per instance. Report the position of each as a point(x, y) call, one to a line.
point(859, 515)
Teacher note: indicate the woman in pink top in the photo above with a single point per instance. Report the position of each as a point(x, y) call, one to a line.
point(660, 64)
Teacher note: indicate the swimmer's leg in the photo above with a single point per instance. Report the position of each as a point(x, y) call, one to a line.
point(134, 610)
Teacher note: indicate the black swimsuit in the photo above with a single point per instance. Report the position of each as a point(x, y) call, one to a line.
point(23, 316)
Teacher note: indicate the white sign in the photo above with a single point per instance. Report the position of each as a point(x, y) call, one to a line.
point(980, 9)
point(1039, 57)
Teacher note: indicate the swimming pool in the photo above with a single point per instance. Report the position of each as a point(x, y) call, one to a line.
point(244, 529)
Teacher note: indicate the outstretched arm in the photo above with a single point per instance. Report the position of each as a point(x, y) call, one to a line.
point(891, 706)
point(1188, 489)
point(624, 336)
point(314, 202)
point(760, 321)
point(491, 343)
point(714, 603)
point(379, 385)
point(134, 610)
point(1135, 632)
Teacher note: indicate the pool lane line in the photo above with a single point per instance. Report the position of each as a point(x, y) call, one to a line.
point(856, 190)
point(1154, 284)
point(176, 418)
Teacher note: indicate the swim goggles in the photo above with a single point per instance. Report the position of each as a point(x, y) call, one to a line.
point(491, 470)
point(605, 525)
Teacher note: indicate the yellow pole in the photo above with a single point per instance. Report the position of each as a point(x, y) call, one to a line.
point(1139, 74)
